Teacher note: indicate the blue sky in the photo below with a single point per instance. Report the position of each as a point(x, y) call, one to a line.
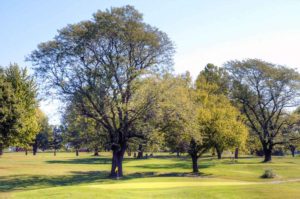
point(203, 31)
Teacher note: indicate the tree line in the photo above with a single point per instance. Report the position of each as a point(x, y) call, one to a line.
point(114, 75)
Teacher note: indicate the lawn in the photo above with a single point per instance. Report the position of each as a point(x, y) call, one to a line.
point(165, 176)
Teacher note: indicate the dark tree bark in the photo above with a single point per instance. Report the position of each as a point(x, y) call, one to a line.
point(34, 148)
point(26, 152)
point(134, 154)
point(177, 153)
point(140, 152)
point(236, 153)
point(54, 152)
point(117, 161)
point(293, 150)
point(77, 152)
point(96, 151)
point(1, 150)
point(195, 163)
point(219, 152)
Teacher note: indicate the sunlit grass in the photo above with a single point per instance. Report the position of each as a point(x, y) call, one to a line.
point(165, 176)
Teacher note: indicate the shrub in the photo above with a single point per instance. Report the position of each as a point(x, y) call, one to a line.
point(268, 174)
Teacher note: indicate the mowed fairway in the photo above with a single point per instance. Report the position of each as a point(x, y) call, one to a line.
point(165, 176)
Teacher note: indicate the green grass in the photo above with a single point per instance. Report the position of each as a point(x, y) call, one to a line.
point(67, 176)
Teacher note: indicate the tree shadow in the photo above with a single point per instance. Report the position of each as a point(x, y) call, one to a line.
point(94, 160)
point(99, 160)
point(21, 182)
point(24, 182)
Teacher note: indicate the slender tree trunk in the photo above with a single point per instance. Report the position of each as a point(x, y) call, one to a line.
point(96, 151)
point(26, 152)
point(195, 163)
point(219, 152)
point(236, 153)
point(293, 149)
point(1, 149)
point(54, 152)
point(34, 149)
point(177, 153)
point(140, 152)
point(77, 152)
point(117, 161)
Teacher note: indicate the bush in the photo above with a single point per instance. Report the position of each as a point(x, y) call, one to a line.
point(268, 174)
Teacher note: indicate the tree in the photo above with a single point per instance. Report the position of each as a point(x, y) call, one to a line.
point(97, 62)
point(291, 132)
point(170, 118)
point(264, 91)
point(42, 139)
point(213, 79)
point(219, 120)
point(221, 123)
point(25, 91)
point(9, 115)
point(56, 139)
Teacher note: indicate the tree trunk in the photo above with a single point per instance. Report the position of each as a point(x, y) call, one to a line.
point(117, 161)
point(195, 164)
point(34, 149)
point(140, 152)
point(77, 152)
point(293, 149)
point(267, 154)
point(177, 153)
point(1, 150)
point(54, 152)
point(236, 153)
point(26, 152)
point(96, 151)
point(219, 152)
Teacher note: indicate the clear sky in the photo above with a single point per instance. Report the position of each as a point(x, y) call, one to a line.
point(210, 31)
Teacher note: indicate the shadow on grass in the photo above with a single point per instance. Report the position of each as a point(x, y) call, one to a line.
point(183, 165)
point(20, 182)
point(94, 160)
point(81, 161)
point(24, 182)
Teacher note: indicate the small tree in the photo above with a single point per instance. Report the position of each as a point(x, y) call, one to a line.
point(56, 139)
point(9, 115)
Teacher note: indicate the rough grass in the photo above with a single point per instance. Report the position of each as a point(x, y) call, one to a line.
point(165, 176)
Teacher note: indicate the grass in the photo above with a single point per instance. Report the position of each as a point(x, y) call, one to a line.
point(165, 176)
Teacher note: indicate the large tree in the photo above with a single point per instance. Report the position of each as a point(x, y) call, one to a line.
point(264, 91)
point(97, 63)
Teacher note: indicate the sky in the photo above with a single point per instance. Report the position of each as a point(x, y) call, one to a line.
point(210, 31)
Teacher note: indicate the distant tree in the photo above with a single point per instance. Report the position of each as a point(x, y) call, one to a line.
point(214, 79)
point(42, 138)
point(219, 120)
point(290, 136)
point(56, 139)
point(264, 91)
point(97, 63)
point(221, 123)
